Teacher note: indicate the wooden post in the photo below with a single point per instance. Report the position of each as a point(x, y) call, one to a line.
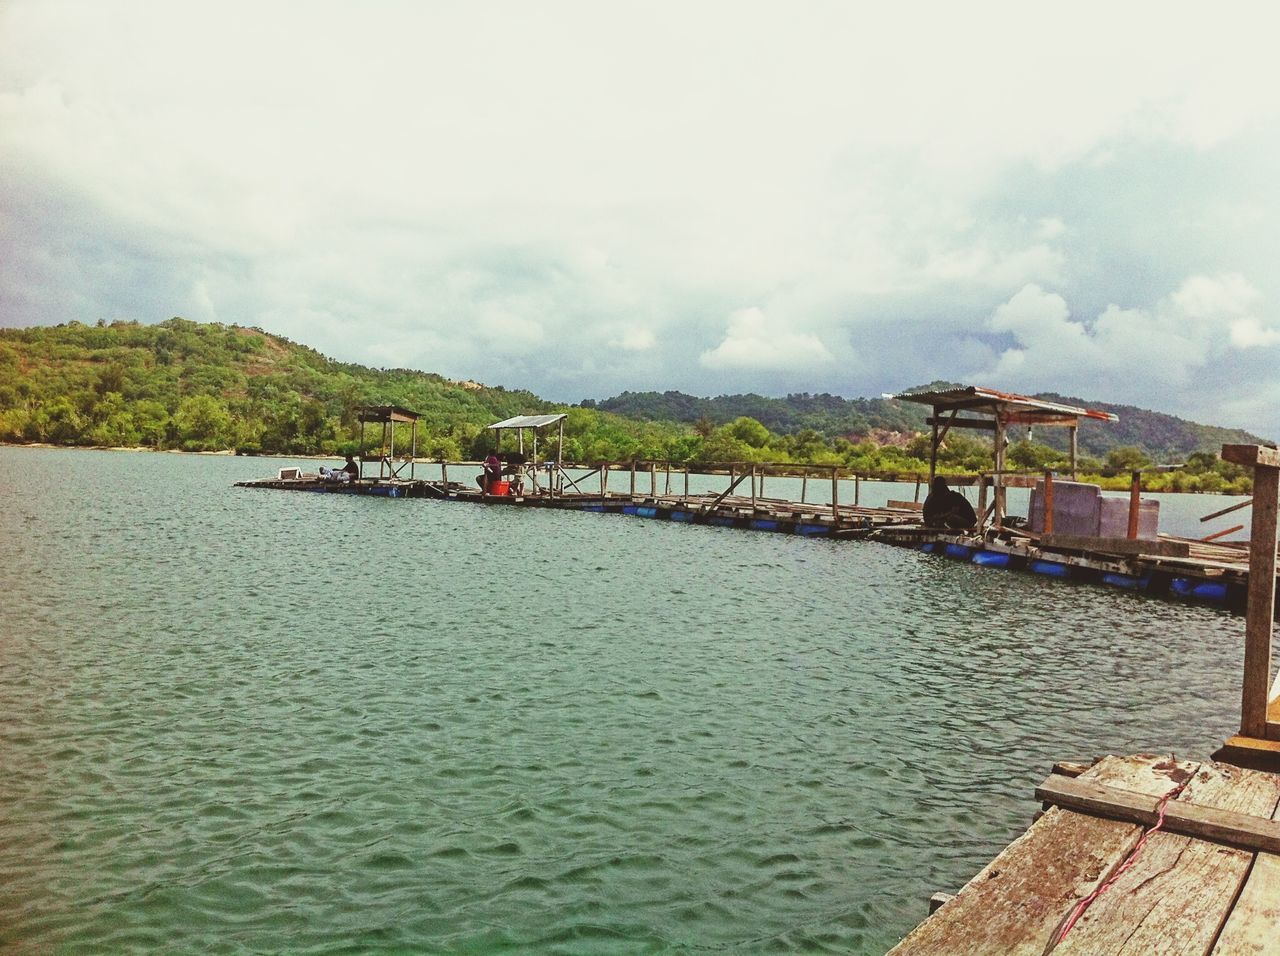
point(653, 479)
point(444, 476)
point(835, 493)
point(1075, 451)
point(998, 489)
point(804, 486)
point(1135, 500)
point(666, 490)
point(753, 488)
point(857, 490)
point(1256, 689)
point(1048, 502)
point(933, 451)
point(686, 482)
point(763, 472)
point(604, 480)
point(917, 497)
point(982, 499)
point(633, 478)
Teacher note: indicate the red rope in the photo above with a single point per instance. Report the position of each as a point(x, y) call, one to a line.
point(1079, 909)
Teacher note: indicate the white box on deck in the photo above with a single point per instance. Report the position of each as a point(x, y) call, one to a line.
point(1114, 517)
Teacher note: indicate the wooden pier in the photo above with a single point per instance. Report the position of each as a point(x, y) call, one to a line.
point(748, 511)
point(1093, 875)
point(1148, 854)
point(1208, 571)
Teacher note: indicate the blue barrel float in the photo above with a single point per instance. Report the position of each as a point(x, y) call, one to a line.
point(1214, 592)
point(961, 552)
point(992, 559)
point(1126, 581)
point(1053, 569)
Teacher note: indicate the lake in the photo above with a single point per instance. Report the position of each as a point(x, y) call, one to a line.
point(239, 720)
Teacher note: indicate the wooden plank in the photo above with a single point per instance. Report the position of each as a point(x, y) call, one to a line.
point(1014, 904)
point(1179, 890)
point(1226, 511)
point(1254, 924)
point(1159, 547)
point(983, 424)
point(1017, 901)
point(905, 505)
point(1261, 608)
point(1252, 455)
point(1246, 831)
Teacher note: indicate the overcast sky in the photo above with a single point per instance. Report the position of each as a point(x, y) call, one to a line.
point(582, 198)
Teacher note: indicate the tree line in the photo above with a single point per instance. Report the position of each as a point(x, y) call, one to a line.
point(210, 387)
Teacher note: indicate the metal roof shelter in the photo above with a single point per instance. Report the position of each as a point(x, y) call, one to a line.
point(387, 416)
point(990, 410)
point(535, 423)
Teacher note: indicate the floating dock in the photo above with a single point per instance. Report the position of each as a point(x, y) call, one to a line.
point(1140, 854)
point(1211, 572)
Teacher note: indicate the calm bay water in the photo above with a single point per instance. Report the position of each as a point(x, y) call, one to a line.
point(244, 721)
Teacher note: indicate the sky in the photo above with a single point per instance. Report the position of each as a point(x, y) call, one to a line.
point(582, 198)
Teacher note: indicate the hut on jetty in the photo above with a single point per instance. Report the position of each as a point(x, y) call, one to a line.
point(1148, 853)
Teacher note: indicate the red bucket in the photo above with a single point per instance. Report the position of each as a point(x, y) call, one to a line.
point(499, 488)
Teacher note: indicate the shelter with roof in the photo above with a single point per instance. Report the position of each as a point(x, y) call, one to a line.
point(533, 424)
point(387, 416)
point(986, 409)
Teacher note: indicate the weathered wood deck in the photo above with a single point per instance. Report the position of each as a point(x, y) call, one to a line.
point(756, 513)
point(1206, 881)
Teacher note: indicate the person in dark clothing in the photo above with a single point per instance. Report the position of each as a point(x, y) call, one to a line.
point(492, 473)
point(348, 472)
point(944, 508)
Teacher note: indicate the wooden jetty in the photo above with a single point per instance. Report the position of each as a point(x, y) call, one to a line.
point(1148, 853)
point(1210, 571)
point(530, 482)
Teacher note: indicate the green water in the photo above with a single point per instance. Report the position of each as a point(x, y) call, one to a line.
point(235, 720)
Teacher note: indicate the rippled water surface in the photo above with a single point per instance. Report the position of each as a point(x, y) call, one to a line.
point(239, 720)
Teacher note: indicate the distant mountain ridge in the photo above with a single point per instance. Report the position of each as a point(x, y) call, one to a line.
point(1164, 438)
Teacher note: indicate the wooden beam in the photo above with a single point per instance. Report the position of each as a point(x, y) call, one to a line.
point(1226, 511)
point(978, 423)
point(1256, 456)
point(1262, 599)
point(1248, 832)
point(1135, 501)
point(1162, 548)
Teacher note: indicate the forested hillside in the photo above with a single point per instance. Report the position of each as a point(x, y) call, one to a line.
point(204, 387)
point(1162, 438)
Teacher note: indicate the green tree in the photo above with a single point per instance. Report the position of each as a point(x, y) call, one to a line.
point(204, 424)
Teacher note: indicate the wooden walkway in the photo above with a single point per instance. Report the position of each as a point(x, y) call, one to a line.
point(754, 513)
point(1207, 881)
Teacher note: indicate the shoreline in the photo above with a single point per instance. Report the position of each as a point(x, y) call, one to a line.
point(231, 453)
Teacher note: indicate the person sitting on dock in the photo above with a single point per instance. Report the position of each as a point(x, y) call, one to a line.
point(348, 472)
point(492, 472)
point(944, 508)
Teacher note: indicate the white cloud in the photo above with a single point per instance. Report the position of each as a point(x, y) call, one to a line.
point(752, 342)
point(1128, 353)
point(1249, 333)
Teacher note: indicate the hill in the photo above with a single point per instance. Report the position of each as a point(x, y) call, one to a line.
point(207, 386)
point(200, 387)
point(1162, 438)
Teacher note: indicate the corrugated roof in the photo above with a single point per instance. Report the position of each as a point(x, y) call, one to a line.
point(987, 401)
point(386, 413)
point(529, 421)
